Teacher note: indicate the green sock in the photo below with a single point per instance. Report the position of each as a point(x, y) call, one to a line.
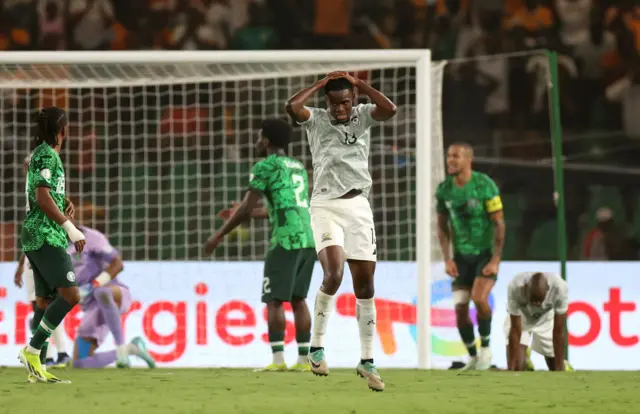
point(484, 329)
point(43, 352)
point(55, 313)
point(468, 338)
point(276, 340)
point(303, 339)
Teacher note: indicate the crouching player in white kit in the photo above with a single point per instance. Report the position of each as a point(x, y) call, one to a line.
point(537, 308)
point(341, 217)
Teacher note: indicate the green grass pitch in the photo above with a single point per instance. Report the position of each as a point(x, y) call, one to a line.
point(242, 391)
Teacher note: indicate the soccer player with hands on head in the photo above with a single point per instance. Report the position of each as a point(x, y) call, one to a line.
point(470, 217)
point(537, 305)
point(341, 217)
point(289, 263)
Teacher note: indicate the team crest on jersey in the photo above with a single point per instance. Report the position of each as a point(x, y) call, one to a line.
point(71, 277)
point(355, 120)
point(473, 203)
point(46, 174)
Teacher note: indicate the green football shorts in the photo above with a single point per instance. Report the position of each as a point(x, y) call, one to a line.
point(470, 267)
point(52, 269)
point(287, 274)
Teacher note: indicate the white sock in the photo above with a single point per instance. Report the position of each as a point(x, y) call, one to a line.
point(278, 357)
point(58, 339)
point(321, 313)
point(366, 315)
point(32, 350)
point(51, 353)
point(126, 350)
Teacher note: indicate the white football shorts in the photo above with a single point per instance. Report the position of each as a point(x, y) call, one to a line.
point(539, 335)
point(345, 222)
point(29, 284)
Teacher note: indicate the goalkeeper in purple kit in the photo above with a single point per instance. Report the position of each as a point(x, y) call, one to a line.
point(103, 299)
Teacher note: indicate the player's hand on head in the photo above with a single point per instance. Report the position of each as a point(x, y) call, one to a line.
point(353, 80)
point(451, 268)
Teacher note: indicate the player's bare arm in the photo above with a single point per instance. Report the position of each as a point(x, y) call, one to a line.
point(70, 209)
point(295, 105)
point(49, 207)
point(499, 232)
point(17, 278)
point(256, 213)
point(385, 109)
point(444, 237)
point(515, 332)
point(115, 267)
point(240, 215)
point(559, 338)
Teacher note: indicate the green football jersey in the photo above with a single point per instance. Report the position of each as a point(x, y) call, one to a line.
point(45, 170)
point(285, 184)
point(468, 208)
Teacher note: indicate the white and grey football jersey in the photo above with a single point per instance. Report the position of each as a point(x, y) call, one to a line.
point(340, 152)
point(556, 301)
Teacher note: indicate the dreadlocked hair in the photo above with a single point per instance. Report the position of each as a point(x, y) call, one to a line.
point(51, 121)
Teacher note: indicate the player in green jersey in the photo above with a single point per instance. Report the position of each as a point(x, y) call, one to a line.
point(289, 263)
point(44, 240)
point(470, 218)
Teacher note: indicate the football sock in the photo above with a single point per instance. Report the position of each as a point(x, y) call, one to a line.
point(110, 312)
point(53, 315)
point(303, 339)
point(38, 313)
point(98, 360)
point(468, 338)
point(366, 316)
point(321, 312)
point(276, 340)
point(484, 329)
point(50, 351)
point(58, 340)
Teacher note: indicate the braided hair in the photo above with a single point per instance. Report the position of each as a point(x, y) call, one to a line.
point(51, 121)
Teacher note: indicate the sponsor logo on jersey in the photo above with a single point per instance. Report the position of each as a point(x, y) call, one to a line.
point(355, 120)
point(473, 203)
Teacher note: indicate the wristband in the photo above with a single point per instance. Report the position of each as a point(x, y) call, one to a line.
point(102, 279)
point(68, 226)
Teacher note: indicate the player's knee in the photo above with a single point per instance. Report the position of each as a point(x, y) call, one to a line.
point(332, 280)
point(298, 303)
point(481, 301)
point(104, 296)
point(274, 304)
point(42, 303)
point(366, 291)
point(72, 296)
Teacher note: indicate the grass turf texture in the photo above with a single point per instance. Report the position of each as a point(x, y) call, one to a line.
point(241, 391)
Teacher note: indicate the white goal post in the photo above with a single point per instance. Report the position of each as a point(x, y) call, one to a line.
point(166, 123)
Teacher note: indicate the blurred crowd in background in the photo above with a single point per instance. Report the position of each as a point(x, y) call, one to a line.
point(499, 103)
